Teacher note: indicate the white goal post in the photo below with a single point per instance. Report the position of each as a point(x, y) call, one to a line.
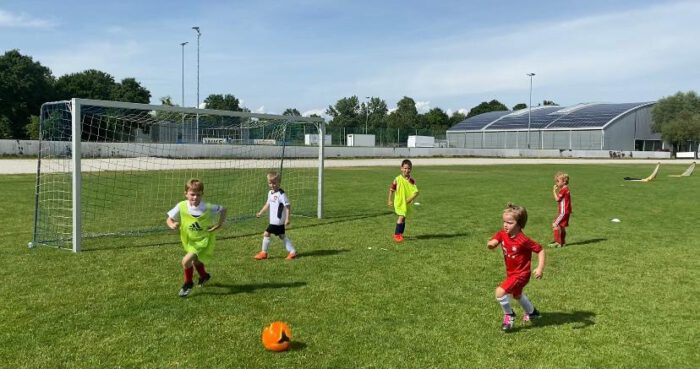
point(115, 168)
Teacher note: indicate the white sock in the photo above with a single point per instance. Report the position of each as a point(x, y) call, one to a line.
point(266, 244)
point(505, 304)
point(288, 245)
point(526, 304)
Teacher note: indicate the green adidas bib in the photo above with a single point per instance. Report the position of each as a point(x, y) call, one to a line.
point(194, 232)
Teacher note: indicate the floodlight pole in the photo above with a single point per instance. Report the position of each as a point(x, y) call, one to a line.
point(529, 111)
point(196, 133)
point(367, 115)
point(183, 73)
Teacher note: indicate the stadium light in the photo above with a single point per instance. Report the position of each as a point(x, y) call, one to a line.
point(367, 115)
point(183, 72)
point(196, 132)
point(529, 111)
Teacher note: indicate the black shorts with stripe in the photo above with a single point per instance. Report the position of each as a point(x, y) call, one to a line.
point(277, 230)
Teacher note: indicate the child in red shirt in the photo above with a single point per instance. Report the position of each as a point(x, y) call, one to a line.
point(517, 252)
point(562, 196)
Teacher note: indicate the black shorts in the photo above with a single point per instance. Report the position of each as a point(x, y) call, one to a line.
point(277, 230)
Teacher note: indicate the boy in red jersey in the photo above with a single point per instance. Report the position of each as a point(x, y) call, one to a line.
point(517, 252)
point(562, 196)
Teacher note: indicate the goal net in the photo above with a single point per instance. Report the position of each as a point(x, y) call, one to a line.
point(111, 168)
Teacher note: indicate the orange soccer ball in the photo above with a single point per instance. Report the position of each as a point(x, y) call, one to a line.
point(276, 336)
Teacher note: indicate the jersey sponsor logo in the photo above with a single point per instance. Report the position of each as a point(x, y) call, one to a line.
point(195, 227)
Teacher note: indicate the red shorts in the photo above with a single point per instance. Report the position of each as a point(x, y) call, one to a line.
point(563, 220)
point(514, 284)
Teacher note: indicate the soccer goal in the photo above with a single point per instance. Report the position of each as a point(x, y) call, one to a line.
point(114, 168)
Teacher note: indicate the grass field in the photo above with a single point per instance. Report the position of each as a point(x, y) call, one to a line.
point(621, 295)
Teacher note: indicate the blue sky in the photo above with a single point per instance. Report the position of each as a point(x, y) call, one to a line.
point(307, 54)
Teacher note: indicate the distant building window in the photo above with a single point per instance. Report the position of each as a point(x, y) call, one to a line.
point(648, 145)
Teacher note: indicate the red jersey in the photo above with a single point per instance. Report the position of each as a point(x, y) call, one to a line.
point(517, 252)
point(564, 200)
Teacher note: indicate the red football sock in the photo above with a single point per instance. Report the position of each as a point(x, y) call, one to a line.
point(200, 269)
point(557, 235)
point(562, 236)
point(188, 274)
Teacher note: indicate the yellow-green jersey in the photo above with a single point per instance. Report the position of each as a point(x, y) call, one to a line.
point(403, 189)
point(194, 228)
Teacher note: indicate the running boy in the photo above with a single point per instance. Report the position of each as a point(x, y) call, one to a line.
point(196, 220)
point(280, 213)
point(562, 196)
point(402, 192)
point(517, 252)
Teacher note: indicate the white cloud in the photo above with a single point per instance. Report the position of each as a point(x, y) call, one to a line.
point(464, 111)
point(423, 106)
point(12, 20)
point(320, 112)
point(620, 48)
point(260, 110)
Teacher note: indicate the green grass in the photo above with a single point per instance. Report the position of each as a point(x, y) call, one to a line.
point(622, 295)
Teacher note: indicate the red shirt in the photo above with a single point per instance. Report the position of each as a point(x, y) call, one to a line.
point(517, 252)
point(564, 200)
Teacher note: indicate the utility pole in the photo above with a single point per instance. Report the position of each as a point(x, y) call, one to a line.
point(529, 111)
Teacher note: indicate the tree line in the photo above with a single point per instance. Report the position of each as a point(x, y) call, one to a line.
point(25, 85)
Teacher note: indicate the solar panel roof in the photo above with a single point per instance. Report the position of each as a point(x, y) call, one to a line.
point(591, 115)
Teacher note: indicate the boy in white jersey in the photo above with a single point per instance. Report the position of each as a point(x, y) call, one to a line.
point(196, 220)
point(280, 212)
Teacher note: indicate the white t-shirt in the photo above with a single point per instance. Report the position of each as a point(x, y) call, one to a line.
point(278, 203)
point(194, 211)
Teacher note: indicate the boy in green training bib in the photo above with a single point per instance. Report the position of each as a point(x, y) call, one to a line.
point(402, 192)
point(197, 223)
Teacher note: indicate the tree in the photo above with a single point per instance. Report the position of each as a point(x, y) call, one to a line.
point(519, 106)
point(405, 116)
point(32, 127)
point(435, 120)
point(130, 90)
point(90, 84)
point(24, 86)
point(222, 102)
point(485, 107)
point(292, 112)
point(5, 128)
point(677, 118)
point(95, 84)
point(167, 101)
point(549, 103)
point(457, 117)
point(375, 112)
point(346, 113)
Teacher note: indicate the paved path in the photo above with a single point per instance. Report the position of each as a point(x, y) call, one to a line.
point(28, 166)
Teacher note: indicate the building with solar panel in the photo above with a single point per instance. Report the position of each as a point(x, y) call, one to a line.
point(590, 126)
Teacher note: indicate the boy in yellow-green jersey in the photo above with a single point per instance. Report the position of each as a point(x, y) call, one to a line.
point(197, 222)
point(402, 192)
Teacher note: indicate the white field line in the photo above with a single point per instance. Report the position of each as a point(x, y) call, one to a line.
point(28, 166)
